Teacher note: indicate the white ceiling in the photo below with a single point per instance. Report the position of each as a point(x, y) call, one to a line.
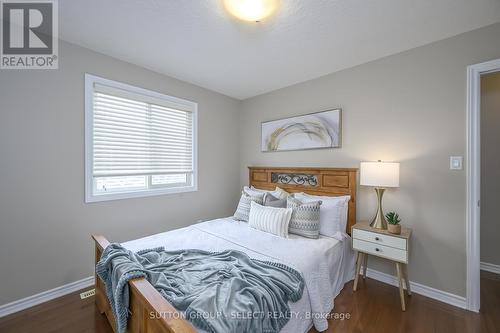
point(198, 42)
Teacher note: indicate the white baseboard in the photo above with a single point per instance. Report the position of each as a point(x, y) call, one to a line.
point(45, 296)
point(490, 267)
point(421, 289)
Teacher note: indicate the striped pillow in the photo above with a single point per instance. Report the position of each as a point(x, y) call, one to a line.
point(305, 217)
point(270, 219)
point(243, 209)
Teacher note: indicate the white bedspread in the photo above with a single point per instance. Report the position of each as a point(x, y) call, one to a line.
point(326, 263)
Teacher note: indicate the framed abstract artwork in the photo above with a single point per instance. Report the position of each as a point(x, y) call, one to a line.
point(311, 131)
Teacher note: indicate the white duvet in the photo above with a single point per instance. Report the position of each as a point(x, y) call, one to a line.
point(326, 263)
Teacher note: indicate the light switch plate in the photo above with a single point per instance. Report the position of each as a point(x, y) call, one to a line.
point(456, 162)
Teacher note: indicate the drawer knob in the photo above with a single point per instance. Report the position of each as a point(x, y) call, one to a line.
point(377, 239)
point(377, 249)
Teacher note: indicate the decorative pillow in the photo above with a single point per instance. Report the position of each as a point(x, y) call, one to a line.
point(305, 219)
point(271, 201)
point(333, 212)
point(270, 219)
point(254, 191)
point(280, 193)
point(277, 192)
point(243, 209)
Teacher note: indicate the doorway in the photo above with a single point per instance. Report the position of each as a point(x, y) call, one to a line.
point(475, 73)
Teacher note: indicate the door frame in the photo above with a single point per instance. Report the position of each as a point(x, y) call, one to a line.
point(473, 178)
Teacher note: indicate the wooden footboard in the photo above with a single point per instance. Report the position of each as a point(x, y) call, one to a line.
point(150, 312)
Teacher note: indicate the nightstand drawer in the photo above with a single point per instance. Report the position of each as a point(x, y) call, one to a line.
point(380, 250)
point(377, 238)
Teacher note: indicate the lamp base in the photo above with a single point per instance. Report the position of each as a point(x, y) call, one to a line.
point(379, 221)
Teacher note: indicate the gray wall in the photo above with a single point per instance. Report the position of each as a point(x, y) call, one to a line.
point(409, 107)
point(490, 168)
point(45, 225)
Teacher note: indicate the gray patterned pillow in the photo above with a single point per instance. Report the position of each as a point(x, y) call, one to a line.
point(243, 209)
point(305, 217)
point(271, 201)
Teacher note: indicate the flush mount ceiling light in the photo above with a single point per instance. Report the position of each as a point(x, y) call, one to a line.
point(251, 10)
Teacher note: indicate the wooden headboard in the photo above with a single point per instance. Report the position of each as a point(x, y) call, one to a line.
point(316, 181)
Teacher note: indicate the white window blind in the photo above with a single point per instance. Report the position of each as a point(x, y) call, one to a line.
point(142, 142)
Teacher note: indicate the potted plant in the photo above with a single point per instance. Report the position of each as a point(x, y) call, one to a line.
point(393, 225)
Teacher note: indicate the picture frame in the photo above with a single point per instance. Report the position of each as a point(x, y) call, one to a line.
point(317, 130)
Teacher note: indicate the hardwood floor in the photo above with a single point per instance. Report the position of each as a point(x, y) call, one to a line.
point(374, 307)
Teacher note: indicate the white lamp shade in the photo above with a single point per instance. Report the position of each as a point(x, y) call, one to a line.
point(379, 174)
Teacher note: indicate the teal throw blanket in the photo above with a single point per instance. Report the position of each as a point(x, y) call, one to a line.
point(219, 292)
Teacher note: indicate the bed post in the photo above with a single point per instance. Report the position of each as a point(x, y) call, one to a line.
point(101, 301)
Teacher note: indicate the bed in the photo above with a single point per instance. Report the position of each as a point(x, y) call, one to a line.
point(327, 264)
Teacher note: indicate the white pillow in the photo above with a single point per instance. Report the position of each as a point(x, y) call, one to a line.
point(270, 219)
point(333, 212)
point(280, 193)
point(277, 192)
point(253, 191)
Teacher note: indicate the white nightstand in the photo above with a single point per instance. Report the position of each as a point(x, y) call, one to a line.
point(369, 241)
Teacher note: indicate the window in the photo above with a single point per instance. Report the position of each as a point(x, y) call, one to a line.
point(137, 142)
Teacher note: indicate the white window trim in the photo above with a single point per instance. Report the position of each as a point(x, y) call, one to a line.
point(90, 80)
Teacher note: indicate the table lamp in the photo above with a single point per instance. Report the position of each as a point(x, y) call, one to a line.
point(380, 175)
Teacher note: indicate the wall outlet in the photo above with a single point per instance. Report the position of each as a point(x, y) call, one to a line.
point(456, 162)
